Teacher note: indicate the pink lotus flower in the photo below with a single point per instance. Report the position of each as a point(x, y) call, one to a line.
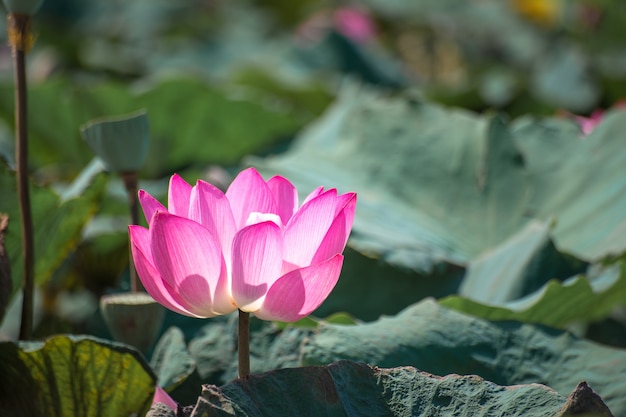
point(252, 248)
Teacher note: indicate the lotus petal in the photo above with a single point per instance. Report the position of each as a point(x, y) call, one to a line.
point(178, 196)
point(249, 193)
point(337, 236)
point(308, 227)
point(189, 259)
point(209, 206)
point(298, 293)
point(285, 196)
point(150, 277)
point(149, 205)
point(257, 263)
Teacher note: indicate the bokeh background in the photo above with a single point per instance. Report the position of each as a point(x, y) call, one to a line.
point(458, 123)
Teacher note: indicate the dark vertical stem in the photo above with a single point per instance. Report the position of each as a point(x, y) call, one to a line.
point(130, 182)
point(20, 37)
point(244, 344)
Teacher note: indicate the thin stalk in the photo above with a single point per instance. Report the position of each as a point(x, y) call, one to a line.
point(244, 344)
point(20, 38)
point(130, 183)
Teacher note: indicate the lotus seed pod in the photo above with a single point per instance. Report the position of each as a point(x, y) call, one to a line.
point(133, 318)
point(121, 142)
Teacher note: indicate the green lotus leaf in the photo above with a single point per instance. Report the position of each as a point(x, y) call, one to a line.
point(556, 304)
point(355, 389)
point(441, 341)
point(517, 267)
point(74, 376)
point(441, 185)
point(171, 360)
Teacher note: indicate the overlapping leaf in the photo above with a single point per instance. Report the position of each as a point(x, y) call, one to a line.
point(557, 304)
point(579, 180)
point(517, 267)
point(437, 340)
point(77, 376)
point(351, 389)
point(429, 337)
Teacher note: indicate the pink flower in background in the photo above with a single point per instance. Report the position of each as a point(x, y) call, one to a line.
point(355, 23)
point(588, 124)
point(160, 396)
point(253, 247)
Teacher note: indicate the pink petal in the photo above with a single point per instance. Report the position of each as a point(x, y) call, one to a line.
point(150, 205)
point(257, 262)
point(249, 193)
point(345, 200)
point(298, 293)
point(337, 236)
point(178, 196)
point(307, 228)
point(149, 276)
point(285, 195)
point(319, 190)
point(190, 260)
point(160, 396)
point(210, 207)
point(354, 24)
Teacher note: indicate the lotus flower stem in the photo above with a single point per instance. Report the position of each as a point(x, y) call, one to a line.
point(20, 38)
point(244, 344)
point(130, 183)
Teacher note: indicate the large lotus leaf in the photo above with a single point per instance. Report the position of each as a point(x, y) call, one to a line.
point(517, 267)
point(171, 360)
point(434, 184)
point(578, 180)
point(351, 389)
point(556, 304)
point(440, 184)
point(74, 376)
point(57, 224)
point(190, 122)
point(441, 341)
